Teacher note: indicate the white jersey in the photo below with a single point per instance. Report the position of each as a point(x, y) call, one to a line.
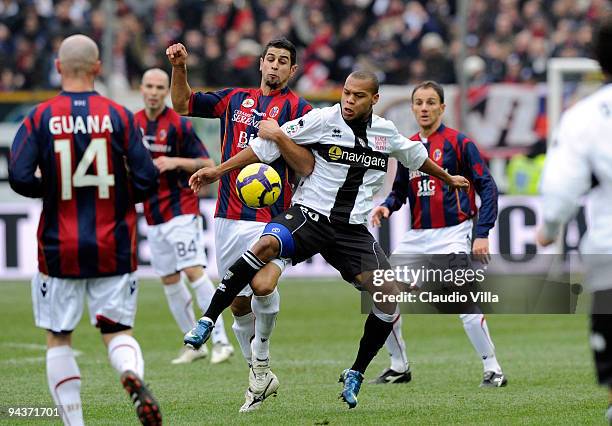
point(349, 168)
point(582, 148)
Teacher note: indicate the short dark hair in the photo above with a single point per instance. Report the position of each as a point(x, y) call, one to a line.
point(429, 84)
point(602, 45)
point(367, 75)
point(282, 43)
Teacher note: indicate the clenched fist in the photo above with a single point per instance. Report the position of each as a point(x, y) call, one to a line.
point(177, 55)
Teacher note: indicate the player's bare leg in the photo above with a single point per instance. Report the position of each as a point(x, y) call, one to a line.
point(377, 328)
point(204, 289)
point(64, 377)
point(243, 270)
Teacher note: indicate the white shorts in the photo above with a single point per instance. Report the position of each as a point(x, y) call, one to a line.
point(451, 239)
point(58, 302)
point(232, 239)
point(418, 246)
point(177, 244)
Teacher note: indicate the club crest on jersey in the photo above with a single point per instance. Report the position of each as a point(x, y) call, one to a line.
point(273, 112)
point(248, 103)
point(437, 154)
point(163, 134)
point(380, 143)
point(335, 152)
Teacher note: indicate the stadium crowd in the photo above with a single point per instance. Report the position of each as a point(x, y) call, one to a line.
point(402, 41)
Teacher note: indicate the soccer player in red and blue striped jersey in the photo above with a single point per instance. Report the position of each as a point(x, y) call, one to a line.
point(237, 226)
point(175, 233)
point(442, 220)
point(93, 168)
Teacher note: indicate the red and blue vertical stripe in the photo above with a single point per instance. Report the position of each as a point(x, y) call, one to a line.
point(240, 111)
point(171, 135)
point(432, 203)
point(86, 235)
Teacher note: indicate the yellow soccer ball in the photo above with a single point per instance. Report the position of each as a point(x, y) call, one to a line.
point(258, 185)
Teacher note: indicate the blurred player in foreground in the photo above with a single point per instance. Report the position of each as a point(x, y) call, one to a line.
point(94, 168)
point(237, 227)
point(582, 149)
point(175, 232)
point(330, 207)
point(442, 221)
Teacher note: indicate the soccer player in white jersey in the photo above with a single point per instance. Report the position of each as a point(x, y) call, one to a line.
point(581, 150)
point(330, 208)
point(442, 222)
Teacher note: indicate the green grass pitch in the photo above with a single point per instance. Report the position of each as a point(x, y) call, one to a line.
point(546, 359)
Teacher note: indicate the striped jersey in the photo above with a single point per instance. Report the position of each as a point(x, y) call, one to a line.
point(240, 111)
point(170, 135)
point(432, 203)
point(93, 169)
point(350, 161)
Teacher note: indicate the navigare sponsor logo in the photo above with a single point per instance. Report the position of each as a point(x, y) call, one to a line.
point(356, 157)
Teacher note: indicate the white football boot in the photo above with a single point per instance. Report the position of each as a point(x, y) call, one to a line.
point(189, 354)
point(221, 352)
point(262, 384)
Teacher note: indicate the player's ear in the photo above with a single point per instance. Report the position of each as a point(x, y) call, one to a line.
point(375, 98)
point(261, 64)
point(293, 70)
point(442, 107)
point(58, 66)
point(97, 68)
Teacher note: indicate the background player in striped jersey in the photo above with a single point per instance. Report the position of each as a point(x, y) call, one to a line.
point(175, 226)
point(351, 147)
point(442, 220)
point(82, 143)
point(237, 226)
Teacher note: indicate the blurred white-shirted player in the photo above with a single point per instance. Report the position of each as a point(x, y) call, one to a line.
point(581, 150)
point(175, 233)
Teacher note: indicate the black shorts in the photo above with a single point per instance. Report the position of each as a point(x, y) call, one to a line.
point(304, 232)
point(601, 335)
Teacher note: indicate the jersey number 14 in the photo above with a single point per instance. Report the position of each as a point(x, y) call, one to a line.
point(96, 151)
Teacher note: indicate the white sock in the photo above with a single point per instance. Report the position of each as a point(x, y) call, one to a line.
point(205, 290)
point(244, 329)
point(265, 309)
point(124, 354)
point(397, 348)
point(476, 328)
point(64, 379)
point(181, 306)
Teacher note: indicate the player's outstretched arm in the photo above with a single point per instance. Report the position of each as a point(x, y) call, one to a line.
point(298, 158)
point(180, 91)
point(454, 181)
point(189, 165)
point(208, 175)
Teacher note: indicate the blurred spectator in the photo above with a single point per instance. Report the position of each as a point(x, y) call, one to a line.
point(401, 40)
